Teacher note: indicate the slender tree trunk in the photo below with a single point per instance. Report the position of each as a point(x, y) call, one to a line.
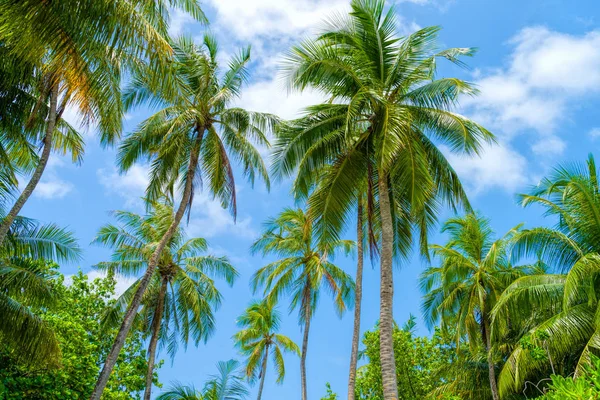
point(488, 347)
point(386, 315)
point(303, 357)
point(39, 170)
point(156, 324)
point(357, 303)
point(263, 373)
point(132, 309)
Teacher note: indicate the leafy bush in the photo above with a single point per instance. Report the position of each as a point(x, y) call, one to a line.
point(584, 387)
point(76, 322)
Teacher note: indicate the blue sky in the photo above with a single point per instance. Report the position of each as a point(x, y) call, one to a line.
point(538, 69)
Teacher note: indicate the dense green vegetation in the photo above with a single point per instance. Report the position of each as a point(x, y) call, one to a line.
point(75, 319)
point(512, 316)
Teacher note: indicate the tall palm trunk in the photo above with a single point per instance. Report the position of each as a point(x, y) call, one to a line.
point(304, 348)
point(156, 324)
point(263, 373)
point(357, 303)
point(39, 170)
point(132, 309)
point(386, 315)
point(487, 340)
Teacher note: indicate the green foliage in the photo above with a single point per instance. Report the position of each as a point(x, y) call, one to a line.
point(192, 296)
point(75, 320)
point(25, 282)
point(583, 387)
point(228, 384)
point(196, 127)
point(563, 308)
point(419, 362)
point(330, 395)
point(259, 336)
point(303, 269)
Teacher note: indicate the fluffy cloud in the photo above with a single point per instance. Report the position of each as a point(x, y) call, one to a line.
point(273, 18)
point(130, 186)
point(208, 218)
point(497, 167)
point(123, 282)
point(594, 133)
point(271, 96)
point(546, 73)
point(547, 70)
point(52, 188)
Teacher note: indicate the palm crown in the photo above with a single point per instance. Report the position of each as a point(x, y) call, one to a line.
point(192, 295)
point(195, 120)
point(26, 282)
point(474, 270)
point(182, 295)
point(226, 385)
point(386, 114)
point(556, 309)
point(260, 324)
point(304, 266)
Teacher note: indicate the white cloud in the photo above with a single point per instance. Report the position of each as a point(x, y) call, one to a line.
point(546, 71)
point(271, 96)
point(497, 167)
point(594, 133)
point(553, 60)
point(52, 188)
point(130, 186)
point(549, 146)
point(122, 282)
point(273, 18)
point(210, 219)
point(178, 19)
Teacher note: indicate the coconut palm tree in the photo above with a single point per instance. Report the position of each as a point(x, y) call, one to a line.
point(474, 271)
point(22, 132)
point(26, 282)
point(260, 324)
point(75, 54)
point(179, 302)
point(557, 311)
point(192, 135)
point(302, 271)
point(227, 385)
point(386, 113)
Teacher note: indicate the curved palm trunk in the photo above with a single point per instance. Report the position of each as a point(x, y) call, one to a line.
point(39, 170)
point(386, 315)
point(132, 309)
point(156, 323)
point(303, 357)
point(357, 304)
point(485, 332)
point(263, 373)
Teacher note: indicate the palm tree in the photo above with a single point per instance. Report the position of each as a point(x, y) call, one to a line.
point(26, 282)
point(260, 323)
point(75, 54)
point(302, 271)
point(385, 111)
point(357, 301)
point(167, 315)
point(188, 138)
point(561, 307)
point(227, 385)
point(475, 269)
